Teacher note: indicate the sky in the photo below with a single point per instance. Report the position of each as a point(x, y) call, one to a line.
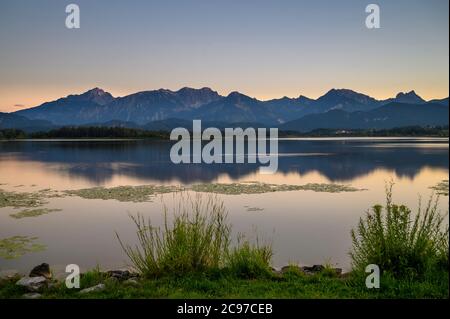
point(265, 49)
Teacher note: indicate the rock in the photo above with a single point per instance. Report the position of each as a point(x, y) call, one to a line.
point(32, 284)
point(43, 270)
point(121, 274)
point(319, 268)
point(276, 271)
point(8, 275)
point(132, 282)
point(32, 296)
point(314, 269)
point(96, 288)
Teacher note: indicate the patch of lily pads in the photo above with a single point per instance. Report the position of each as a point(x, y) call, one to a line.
point(17, 246)
point(146, 193)
point(260, 188)
point(33, 212)
point(441, 188)
point(136, 194)
point(22, 199)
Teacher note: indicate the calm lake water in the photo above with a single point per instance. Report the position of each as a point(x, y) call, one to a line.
point(304, 226)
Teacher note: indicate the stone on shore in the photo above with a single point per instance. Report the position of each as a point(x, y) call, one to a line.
point(132, 282)
point(99, 287)
point(33, 284)
point(42, 270)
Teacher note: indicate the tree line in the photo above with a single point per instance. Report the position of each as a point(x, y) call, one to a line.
point(122, 132)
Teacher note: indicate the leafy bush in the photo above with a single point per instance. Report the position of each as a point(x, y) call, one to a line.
point(400, 242)
point(196, 240)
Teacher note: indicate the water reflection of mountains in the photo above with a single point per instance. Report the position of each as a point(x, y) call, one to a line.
point(99, 161)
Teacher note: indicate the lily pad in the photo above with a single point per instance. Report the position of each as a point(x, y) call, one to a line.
point(441, 188)
point(17, 200)
point(17, 246)
point(259, 188)
point(33, 212)
point(124, 193)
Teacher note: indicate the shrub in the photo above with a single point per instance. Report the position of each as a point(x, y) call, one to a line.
point(400, 242)
point(248, 260)
point(197, 239)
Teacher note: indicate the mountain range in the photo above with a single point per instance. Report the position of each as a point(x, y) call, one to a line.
point(164, 109)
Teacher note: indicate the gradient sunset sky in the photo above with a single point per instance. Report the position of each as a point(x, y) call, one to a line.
point(265, 49)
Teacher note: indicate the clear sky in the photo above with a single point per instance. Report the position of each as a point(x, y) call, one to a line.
point(265, 49)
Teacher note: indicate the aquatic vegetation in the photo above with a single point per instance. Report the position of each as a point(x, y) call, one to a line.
point(33, 212)
point(254, 209)
point(233, 188)
point(17, 200)
point(124, 193)
point(50, 193)
point(146, 193)
point(260, 188)
point(17, 246)
point(329, 188)
point(441, 188)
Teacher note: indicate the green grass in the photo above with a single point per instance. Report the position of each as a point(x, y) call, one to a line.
point(248, 260)
point(224, 285)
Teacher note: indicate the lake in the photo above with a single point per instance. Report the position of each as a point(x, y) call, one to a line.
point(304, 226)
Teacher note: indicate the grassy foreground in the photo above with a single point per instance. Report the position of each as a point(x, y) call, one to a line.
point(292, 284)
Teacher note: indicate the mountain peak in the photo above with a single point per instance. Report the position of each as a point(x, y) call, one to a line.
point(95, 91)
point(343, 92)
point(237, 97)
point(189, 89)
point(337, 96)
point(97, 95)
point(411, 93)
point(409, 97)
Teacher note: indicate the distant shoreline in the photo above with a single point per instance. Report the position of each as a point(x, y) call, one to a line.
point(122, 133)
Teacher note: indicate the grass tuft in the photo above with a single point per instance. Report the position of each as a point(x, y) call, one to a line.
point(195, 240)
point(248, 260)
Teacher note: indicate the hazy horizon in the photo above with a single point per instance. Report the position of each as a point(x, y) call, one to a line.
point(265, 49)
